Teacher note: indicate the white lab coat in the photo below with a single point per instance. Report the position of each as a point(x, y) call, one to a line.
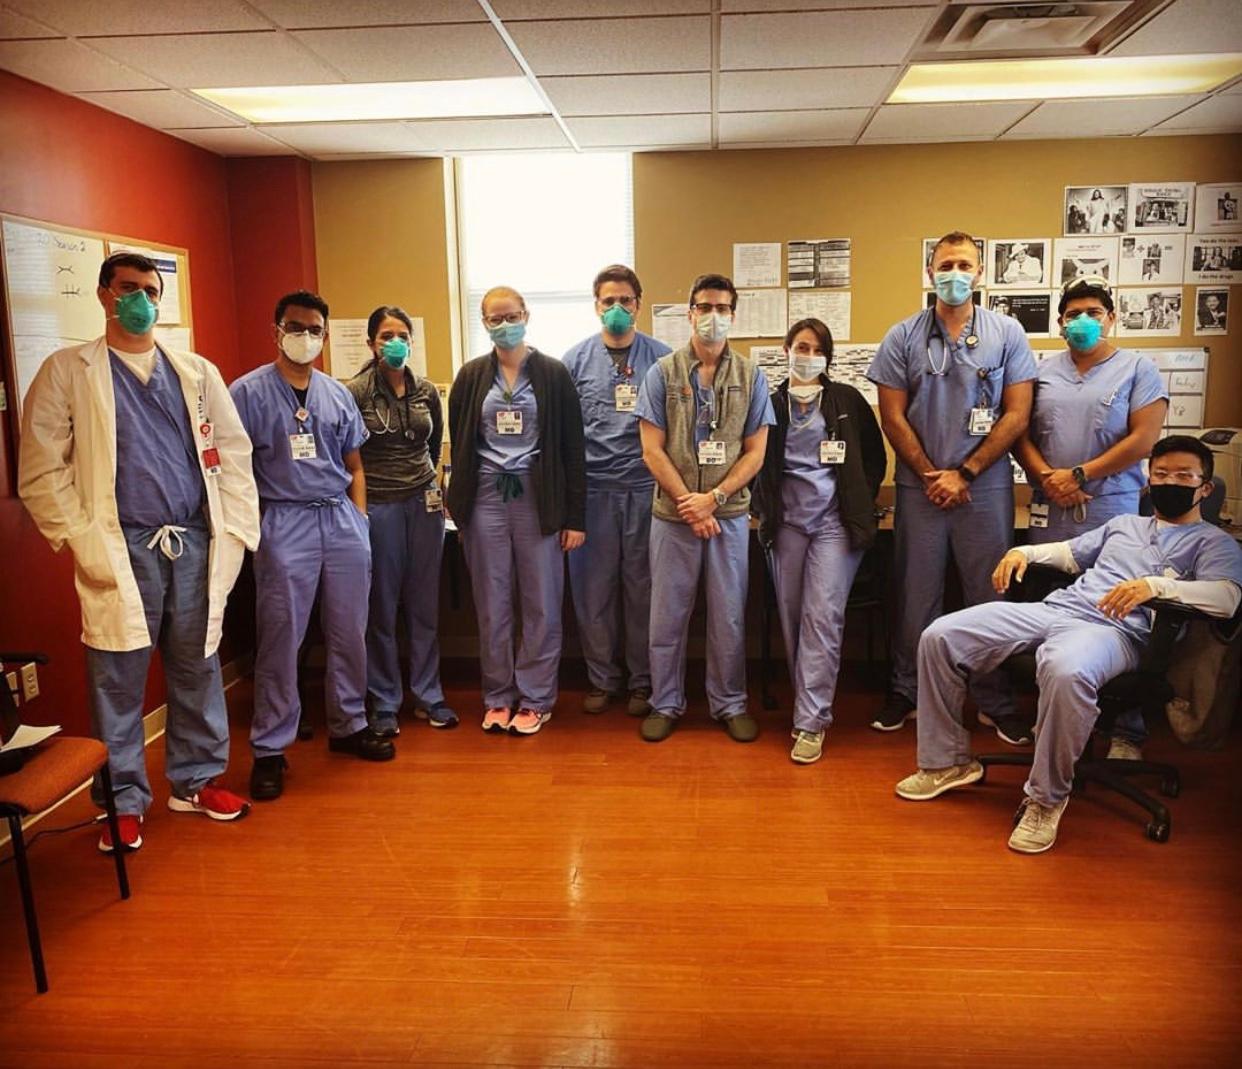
point(67, 480)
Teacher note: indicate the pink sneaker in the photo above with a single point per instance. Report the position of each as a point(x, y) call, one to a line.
point(214, 801)
point(528, 721)
point(130, 827)
point(497, 720)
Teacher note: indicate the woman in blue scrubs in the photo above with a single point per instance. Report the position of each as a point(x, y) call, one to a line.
point(402, 415)
point(518, 496)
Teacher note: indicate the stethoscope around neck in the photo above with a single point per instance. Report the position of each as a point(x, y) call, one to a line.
point(934, 331)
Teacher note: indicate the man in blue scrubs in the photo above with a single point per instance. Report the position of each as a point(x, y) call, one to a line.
point(955, 384)
point(705, 414)
point(610, 575)
point(306, 431)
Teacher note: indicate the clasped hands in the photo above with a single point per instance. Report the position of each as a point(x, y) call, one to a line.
point(698, 512)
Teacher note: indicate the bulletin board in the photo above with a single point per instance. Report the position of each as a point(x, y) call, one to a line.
point(50, 275)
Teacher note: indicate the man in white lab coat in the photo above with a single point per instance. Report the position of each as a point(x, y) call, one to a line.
point(133, 456)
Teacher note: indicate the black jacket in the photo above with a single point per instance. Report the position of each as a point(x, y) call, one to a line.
point(858, 479)
point(559, 474)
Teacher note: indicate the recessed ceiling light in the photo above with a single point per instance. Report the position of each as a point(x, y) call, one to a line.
point(1053, 79)
point(464, 98)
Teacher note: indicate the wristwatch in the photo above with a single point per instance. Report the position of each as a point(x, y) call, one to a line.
point(1080, 476)
point(966, 473)
point(720, 497)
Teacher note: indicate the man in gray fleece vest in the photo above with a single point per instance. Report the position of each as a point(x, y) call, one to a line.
point(704, 414)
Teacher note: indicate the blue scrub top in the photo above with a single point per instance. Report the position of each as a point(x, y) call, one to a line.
point(267, 405)
point(652, 399)
point(509, 452)
point(940, 404)
point(614, 452)
point(1076, 417)
point(809, 488)
point(1133, 547)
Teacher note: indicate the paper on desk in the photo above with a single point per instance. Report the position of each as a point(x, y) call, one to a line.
point(26, 736)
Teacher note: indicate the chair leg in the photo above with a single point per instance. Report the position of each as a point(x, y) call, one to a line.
point(28, 904)
point(118, 853)
point(1097, 773)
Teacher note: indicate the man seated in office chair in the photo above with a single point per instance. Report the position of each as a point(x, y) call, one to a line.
point(1084, 634)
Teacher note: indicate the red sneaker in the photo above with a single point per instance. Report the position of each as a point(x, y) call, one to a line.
point(216, 802)
point(130, 827)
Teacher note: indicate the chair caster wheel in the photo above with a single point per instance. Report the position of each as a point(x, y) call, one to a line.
point(1170, 787)
point(1158, 832)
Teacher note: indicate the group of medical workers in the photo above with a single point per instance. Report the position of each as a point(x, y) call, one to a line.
point(637, 466)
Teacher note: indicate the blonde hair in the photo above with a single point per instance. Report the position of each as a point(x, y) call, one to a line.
point(501, 291)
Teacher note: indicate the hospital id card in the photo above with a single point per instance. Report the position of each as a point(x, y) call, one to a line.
point(981, 420)
point(302, 446)
point(508, 422)
point(711, 452)
point(433, 500)
point(211, 460)
point(626, 396)
point(1039, 515)
point(831, 451)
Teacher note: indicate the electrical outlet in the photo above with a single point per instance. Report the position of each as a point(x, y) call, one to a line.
point(30, 681)
point(11, 679)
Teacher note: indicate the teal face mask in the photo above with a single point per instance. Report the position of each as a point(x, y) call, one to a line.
point(1083, 333)
point(135, 312)
point(507, 335)
point(395, 351)
point(617, 320)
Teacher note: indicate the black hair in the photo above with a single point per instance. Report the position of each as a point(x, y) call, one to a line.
point(127, 259)
point(1184, 443)
point(955, 237)
point(714, 282)
point(618, 273)
point(1098, 292)
point(301, 299)
point(382, 313)
point(820, 329)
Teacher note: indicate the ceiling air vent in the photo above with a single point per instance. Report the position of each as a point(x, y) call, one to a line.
point(1026, 28)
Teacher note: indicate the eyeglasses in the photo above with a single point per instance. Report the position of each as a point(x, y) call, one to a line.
point(1084, 281)
point(1094, 313)
point(511, 317)
point(719, 309)
point(624, 302)
point(315, 330)
point(1182, 477)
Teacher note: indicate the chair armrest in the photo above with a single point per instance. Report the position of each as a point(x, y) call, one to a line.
point(1037, 583)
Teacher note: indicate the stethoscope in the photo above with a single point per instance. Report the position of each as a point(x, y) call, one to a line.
point(385, 427)
point(934, 331)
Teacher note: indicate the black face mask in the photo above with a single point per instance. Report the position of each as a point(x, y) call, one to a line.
point(1171, 500)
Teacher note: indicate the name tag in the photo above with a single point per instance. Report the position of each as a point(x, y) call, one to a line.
point(434, 500)
point(1039, 515)
point(981, 420)
point(711, 452)
point(302, 446)
point(626, 396)
point(831, 451)
point(508, 422)
point(211, 461)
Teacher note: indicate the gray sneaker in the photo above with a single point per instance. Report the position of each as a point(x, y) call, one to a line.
point(1036, 826)
point(639, 703)
point(928, 783)
point(742, 728)
point(596, 700)
point(807, 748)
point(656, 727)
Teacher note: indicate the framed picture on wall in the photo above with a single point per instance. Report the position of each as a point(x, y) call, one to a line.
point(1151, 260)
point(1212, 310)
point(1034, 309)
point(1095, 209)
point(1161, 209)
point(1215, 258)
point(1084, 256)
point(929, 244)
point(1216, 206)
point(1018, 263)
point(1149, 312)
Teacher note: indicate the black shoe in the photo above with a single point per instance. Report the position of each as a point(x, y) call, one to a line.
point(364, 743)
point(1016, 730)
point(893, 714)
point(267, 778)
point(306, 730)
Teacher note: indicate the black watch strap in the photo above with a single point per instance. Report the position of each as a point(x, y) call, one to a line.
point(966, 473)
point(1080, 476)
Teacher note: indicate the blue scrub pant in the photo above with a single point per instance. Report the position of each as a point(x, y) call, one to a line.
point(508, 555)
point(813, 574)
point(407, 544)
point(1061, 523)
point(196, 734)
point(677, 560)
point(610, 580)
point(1074, 658)
point(977, 534)
point(304, 547)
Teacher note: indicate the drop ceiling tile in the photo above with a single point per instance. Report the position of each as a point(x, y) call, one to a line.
point(1102, 118)
point(638, 94)
point(86, 18)
point(340, 137)
point(1187, 27)
point(202, 61)
point(14, 25)
point(241, 141)
point(841, 87)
point(486, 135)
point(731, 7)
point(414, 53)
point(775, 126)
point(69, 66)
point(568, 9)
point(604, 46)
point(1218, 113)
point(819, 38)
point(651, 132)
point(301, 15)
point(947, 122)
point(165, 109)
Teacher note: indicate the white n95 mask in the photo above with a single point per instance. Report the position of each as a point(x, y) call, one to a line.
point(301, 348)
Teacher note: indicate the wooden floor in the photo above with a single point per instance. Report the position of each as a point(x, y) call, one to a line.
point(582, 898)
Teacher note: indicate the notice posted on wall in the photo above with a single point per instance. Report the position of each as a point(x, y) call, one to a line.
point(757, 266)
point(760, 314)
point(849, 365)
point(816, 263)
point(670, 325)
point(775, 365)
point(830, 307)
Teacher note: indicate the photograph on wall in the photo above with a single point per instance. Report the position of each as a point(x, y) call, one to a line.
point(1034, 309)
point(1018, 262)
point(1151, 261)
point(1095, 209)
point(930, 243)
point(1161, 209)
point(1150, 313)
point(1084, 256)
point(849, 365)
point(1216, 206)
point(814, 263)
point(1212, 310)
point(1214, 258)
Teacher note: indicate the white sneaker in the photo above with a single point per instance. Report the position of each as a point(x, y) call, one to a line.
point(1036, 828)
point(1120, 749)
point(928, 783)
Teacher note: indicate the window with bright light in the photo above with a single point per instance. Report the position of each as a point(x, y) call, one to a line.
point(544, 224)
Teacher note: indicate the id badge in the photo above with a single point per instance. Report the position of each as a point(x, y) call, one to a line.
point(1039, 515)
point(832, 451)
point(302, 446)
point(981, 420)
point(711, 451)
point(434, 500)
point(626, 396)
point(211, 460)
point(508, 421)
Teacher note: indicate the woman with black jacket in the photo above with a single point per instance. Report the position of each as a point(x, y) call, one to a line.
point(815, 500)
point(518, 496)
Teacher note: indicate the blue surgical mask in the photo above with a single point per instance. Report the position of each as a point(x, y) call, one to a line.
point(135, 312)
point(1083, 333)
point(953, 287)
point(395, 352)
point(807, 367)
point(507, 335)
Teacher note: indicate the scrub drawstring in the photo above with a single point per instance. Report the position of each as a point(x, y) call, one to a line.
point(509, 486)
point(164, 538)
point(1080, 512)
